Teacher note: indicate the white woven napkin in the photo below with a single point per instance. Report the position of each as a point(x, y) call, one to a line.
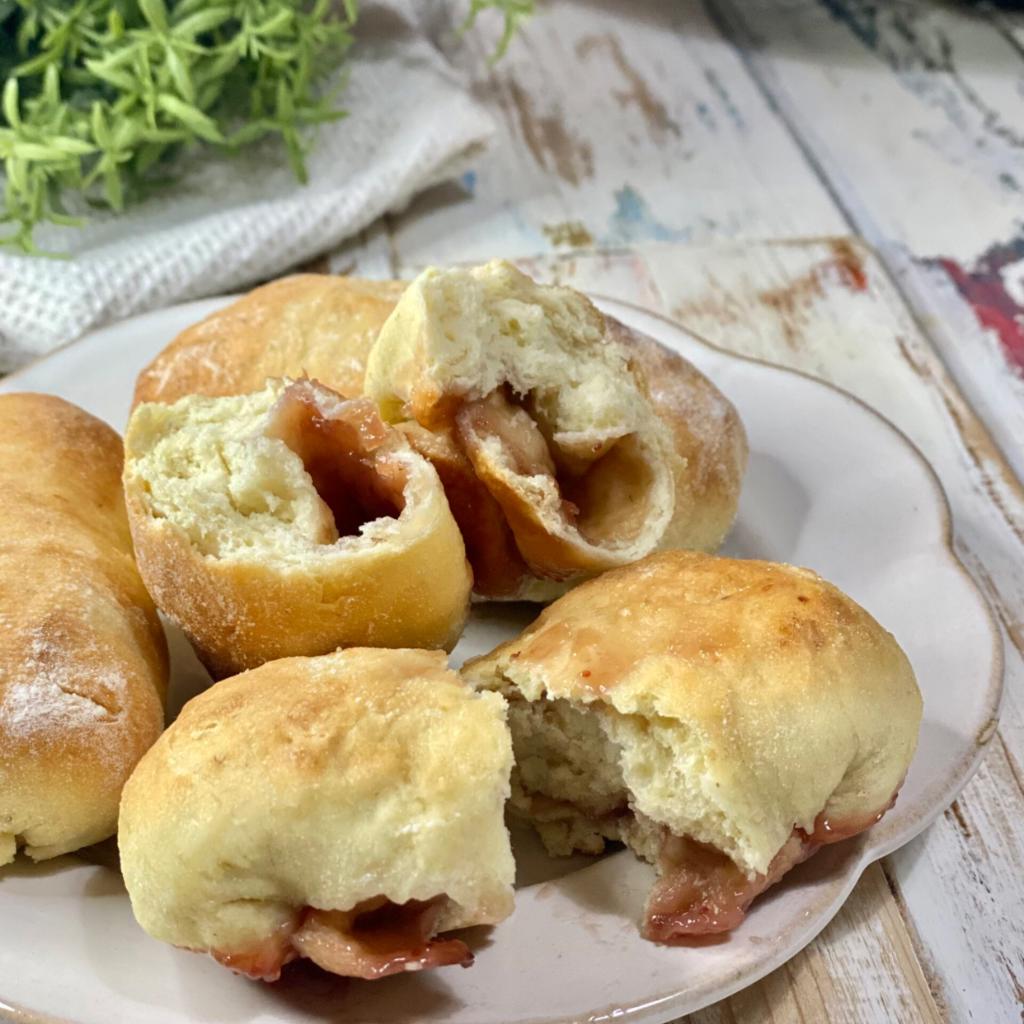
point(235, 220)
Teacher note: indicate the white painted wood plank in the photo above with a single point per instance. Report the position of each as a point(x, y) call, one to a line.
point(914, 113)
point(617, 124)
point(862, 968)
point(829, 308)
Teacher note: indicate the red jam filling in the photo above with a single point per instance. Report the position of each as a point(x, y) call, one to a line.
point(374, 939)
point(701, 891)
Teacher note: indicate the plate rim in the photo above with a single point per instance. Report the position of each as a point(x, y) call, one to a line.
point(660, 1008)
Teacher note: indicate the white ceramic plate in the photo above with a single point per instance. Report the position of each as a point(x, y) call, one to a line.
point(832, 486)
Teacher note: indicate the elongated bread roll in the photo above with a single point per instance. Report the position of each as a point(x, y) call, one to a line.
point(535, 409)
point(291, 522)
point(83, 661)
point(723, 718)
point(312, 325)
point(345, 808)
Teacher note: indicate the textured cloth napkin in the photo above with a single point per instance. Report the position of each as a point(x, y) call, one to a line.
point(235, 220)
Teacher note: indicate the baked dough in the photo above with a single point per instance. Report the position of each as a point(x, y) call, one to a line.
point(540, 405)
point(309, 324)
point(724, 718)
point(708, 437)
point(344, 808)
point(291, 521)
point(83, 662)
point(324, 327)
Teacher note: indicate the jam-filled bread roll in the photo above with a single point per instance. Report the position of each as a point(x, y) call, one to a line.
point(83, 662)
point(314, 325)
point(347, 808)
point(723, 718)
point(708, 437)
point(289, 522)
point(541, 425)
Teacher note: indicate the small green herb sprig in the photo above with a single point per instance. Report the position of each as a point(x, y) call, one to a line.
point(100, 96)
point(515, 11)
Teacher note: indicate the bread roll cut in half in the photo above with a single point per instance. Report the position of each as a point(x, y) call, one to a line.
point(291, 521)
point(346, 808)
point(722, 718)
point(536, 412)
point(311, 325)
point(83, 662)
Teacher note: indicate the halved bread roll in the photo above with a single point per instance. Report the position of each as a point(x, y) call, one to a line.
point(312, 325)
point(723, 718)
point(83, 661)
point(346, 808)
point(534, 408)
point(291, 521)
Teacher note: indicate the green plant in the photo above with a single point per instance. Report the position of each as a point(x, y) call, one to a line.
point(514, 10)
point(100, 96)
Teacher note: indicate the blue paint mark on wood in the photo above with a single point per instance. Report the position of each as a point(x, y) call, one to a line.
point(469, 182)
point(633, 221)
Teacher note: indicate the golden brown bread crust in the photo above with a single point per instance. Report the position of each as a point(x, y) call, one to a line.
point(320, 783)
point(747, 697)
point(708, 435)
point(83, 661)
point(324, 326)
point(309, 324)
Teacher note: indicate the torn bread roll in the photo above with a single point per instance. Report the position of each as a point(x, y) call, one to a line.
point(535, 410)
point(723, 718)
point(347, 808)
point(314, 325)
point(83, 662)
point(707, 435)
point(291, 521)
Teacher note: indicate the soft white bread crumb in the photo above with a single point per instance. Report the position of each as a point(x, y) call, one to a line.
point(237, 543)
point(546, 408)
point(726, 701)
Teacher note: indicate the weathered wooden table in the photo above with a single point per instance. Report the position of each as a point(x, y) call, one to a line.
point(835, 185)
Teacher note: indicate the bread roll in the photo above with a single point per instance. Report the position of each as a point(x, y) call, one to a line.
point(308, 325)
point(291, 521)
point(723, 718)
point(708, 437)
point(83, 662)
point(536, 412)
point(344, 808)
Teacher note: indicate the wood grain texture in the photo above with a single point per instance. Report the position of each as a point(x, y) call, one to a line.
point(711, 162)
point(828, 307)
point(913, 112)
point(660, 150)
point(834, 979)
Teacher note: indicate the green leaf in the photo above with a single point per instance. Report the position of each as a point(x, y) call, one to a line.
point(113, 188)
point(155, 14)
point(179, 75)
point(10, 103)
point(205, 127)
point(112, 74)
point(202, 21)
point(100, 129)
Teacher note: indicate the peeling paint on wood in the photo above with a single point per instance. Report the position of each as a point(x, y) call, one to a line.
point(639, 94)
point(994, 286)
point(571, 233)
point(961, 898)
point(899, 122)
point(549, 140)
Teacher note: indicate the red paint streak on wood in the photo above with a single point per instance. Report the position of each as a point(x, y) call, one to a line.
point(983, 287)
point(847, 263)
